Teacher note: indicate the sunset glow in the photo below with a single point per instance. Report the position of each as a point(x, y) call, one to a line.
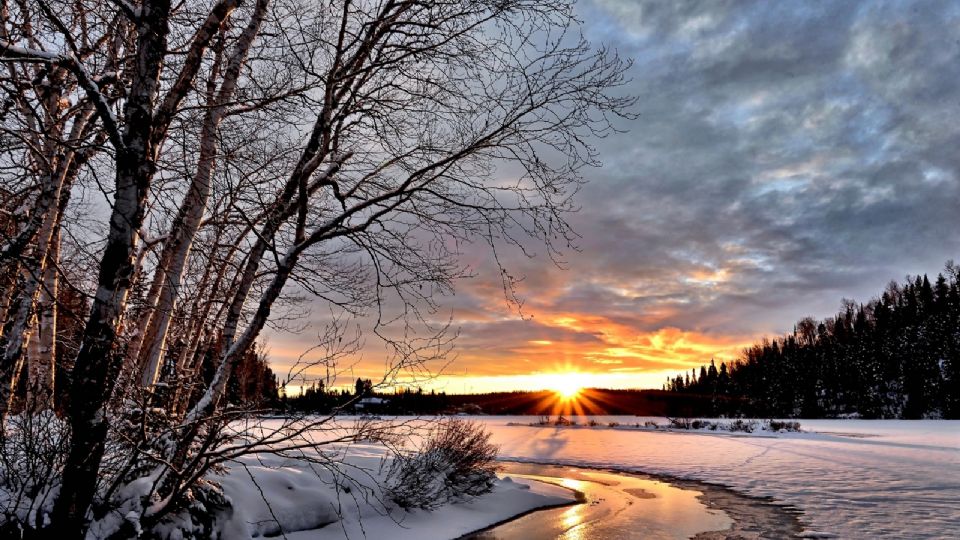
point(567, 385)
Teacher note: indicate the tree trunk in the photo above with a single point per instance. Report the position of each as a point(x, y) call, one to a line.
point(33, 268)
point(97, 363)
point(62, 167)
point(185, 227)
point(9, 269)
point(42, 360)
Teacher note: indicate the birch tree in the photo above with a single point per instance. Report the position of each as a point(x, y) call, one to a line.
point(348, 147)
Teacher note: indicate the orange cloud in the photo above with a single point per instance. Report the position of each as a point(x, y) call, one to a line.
point(607, 340)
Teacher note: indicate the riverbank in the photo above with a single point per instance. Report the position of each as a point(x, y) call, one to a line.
point(617, 504)
point(301, 500)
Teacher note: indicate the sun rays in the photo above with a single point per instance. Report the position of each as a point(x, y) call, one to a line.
point(566, 393)
point(566, 385)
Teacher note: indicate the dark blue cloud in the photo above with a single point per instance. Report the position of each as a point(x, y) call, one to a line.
point(805, 148)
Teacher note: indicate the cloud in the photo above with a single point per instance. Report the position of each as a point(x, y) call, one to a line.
point(785, 155)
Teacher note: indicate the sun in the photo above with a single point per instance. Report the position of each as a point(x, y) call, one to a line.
point(566, 385)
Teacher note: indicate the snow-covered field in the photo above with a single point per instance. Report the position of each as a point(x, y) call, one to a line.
point(851, 478)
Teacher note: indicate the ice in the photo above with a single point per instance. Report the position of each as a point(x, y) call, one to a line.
point(851, 478)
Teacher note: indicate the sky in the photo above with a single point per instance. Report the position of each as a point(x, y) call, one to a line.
point(785, 155)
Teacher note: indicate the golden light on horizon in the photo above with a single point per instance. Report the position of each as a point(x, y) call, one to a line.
point(599, 353)
point(567, 385)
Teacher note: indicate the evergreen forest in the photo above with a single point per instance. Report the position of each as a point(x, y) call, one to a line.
point(896, 356)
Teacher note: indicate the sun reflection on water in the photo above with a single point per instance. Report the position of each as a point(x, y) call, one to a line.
point(616, 506)
point(573, 518)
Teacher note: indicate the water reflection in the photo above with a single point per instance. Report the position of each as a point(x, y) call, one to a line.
point(572, 517)
point(614, 507)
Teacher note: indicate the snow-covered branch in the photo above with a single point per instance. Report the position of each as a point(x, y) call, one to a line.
point(131, 11)
point(9, 50)
point(88, 83)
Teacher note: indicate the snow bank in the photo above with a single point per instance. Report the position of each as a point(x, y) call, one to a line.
point(508, 499)
point(310, 501)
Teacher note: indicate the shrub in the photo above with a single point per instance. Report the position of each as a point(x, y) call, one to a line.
point(593, 423)
point(775, 425)
point(613, 424)
point(740, 425)
point(457, 462)
point(32, 450)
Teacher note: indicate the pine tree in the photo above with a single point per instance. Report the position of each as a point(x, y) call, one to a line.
point(895, 356)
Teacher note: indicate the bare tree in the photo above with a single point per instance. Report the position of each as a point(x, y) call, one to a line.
point(349, 147)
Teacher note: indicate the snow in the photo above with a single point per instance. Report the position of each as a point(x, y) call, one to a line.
point(851, 478)
point(20, 52)
point(308, 501)
point(509, 498)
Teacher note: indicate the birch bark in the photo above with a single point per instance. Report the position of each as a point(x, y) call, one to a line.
point(42, 360)
point(185, 226)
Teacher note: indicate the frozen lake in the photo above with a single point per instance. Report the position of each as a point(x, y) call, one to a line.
point(847, 478)
point(850, 478)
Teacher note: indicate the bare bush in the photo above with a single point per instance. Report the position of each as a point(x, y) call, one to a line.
point(32, 452)
point(781, 426)
point(746, 426)
point(457, 462)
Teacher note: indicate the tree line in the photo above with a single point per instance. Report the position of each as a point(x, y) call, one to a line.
point(317, 398)
point(896, 356)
